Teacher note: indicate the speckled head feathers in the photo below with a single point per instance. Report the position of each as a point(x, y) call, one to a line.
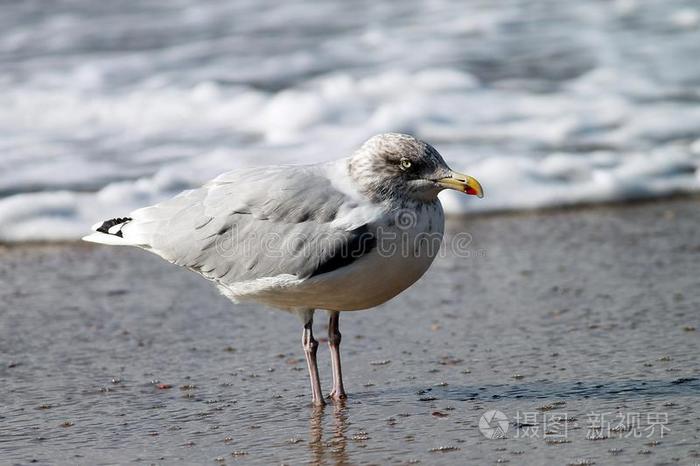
point(398, 166)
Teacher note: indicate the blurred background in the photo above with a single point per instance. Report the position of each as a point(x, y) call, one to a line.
point(109, 106)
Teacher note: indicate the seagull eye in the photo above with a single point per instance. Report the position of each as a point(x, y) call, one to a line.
point(405, 164)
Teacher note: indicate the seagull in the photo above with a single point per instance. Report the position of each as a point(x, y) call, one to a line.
point(338, 236)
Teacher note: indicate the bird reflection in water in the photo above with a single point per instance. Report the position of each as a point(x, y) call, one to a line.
point(332, 450)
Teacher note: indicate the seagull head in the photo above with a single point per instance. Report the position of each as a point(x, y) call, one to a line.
point(394, 165)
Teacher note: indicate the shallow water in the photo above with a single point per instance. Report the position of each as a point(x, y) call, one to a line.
point(105, 108)
point(571, 314)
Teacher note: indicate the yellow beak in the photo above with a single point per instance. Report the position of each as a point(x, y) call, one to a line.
point(462, 183)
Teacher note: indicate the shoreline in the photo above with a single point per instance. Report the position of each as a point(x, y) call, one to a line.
point(581, 207)
point(504, 213)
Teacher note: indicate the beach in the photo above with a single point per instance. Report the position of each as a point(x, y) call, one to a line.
point(559, 325)
point(578, 326)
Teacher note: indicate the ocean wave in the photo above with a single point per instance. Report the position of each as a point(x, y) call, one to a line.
point(546, 104)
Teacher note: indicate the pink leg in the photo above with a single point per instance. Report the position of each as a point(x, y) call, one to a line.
point(310, 348)
point(334, 337)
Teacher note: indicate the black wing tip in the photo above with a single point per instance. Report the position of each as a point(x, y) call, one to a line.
point(106, 225)
point(360, 243)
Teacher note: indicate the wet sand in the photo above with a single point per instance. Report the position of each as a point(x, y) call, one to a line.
point(112, 356)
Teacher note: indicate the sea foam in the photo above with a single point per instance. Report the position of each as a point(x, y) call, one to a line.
point(105, 110)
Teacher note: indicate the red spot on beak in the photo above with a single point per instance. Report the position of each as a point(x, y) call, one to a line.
point(470, 190)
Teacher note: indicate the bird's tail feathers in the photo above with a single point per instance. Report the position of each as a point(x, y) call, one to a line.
point(110, 232)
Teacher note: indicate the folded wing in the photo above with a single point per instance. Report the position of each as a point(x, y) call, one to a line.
point(250, 224)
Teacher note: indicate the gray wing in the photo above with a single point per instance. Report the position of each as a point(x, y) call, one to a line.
point(254, 223)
